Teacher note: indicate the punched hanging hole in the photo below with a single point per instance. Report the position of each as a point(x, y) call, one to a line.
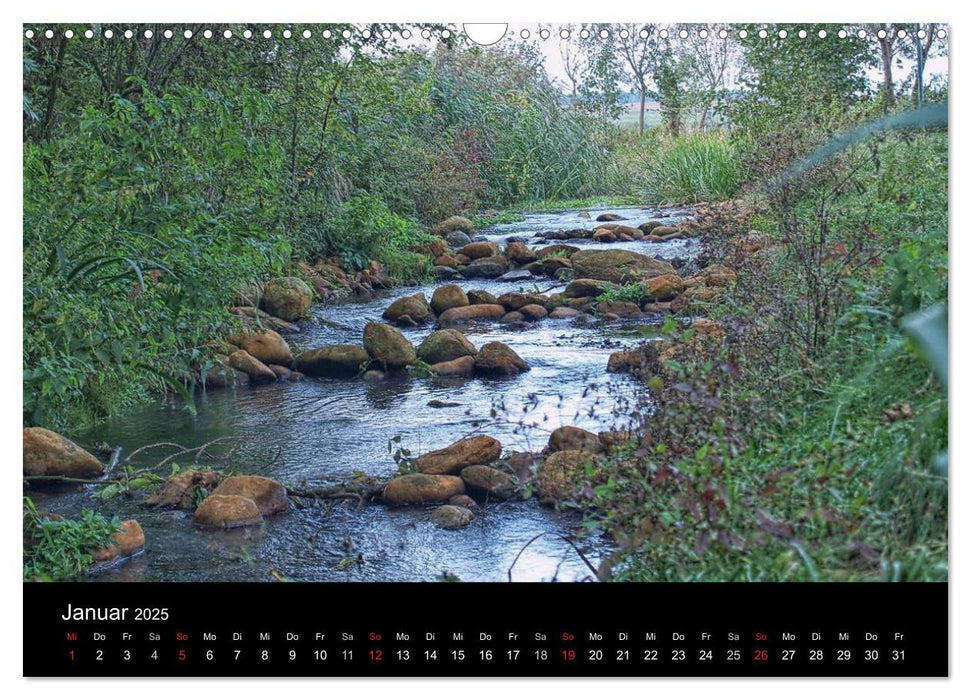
point(544, 33)
point(207, 34)
point(267, 34)
point(247, 34)
point(228, 34)
point(643, 33)
point(723, 34)
point(187, 33)
point(29, 34)
point(822, 34)
point(703, 33)
point(841, 34)
point(406, 34)
point(524, 34)
point(49, 33)
point(763, 34)
point(861, 34)
point(663, 33)
point(564, 33)
point(109, 33)
point(167, 33)
point(483, 34)
point(783, 33)
point(287, 34)
point(68, 34)
point(683, 34)
point(88, 34)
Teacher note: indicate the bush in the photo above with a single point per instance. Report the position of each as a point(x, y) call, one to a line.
point(365, 229)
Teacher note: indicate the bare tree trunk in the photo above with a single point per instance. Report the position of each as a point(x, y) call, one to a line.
point(49, 113)
point(886, 56)
point(640, 123)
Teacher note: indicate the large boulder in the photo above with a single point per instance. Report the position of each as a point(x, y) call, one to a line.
point(618, 266)
point(459, 367)
point(556, 267)
point(562, 475)
point(182, 490)
point(288, 298)
point(452, 517)
point(48, 454)
point(493, 482)
point(416, 307)
point(499, 358)
point(570, 437)
point(448, 296)
point(332, 361)
point(268, 347)
point(479, 249)
point(480, 449)
point(610, 217)
point(453, 223)
point(388, 346)
point(422, 488)
point(444, 346)
point(473, 312)
point(520, 253)
point(268, 494)
point(129, 540)
point(256, 370)
point(228, 511)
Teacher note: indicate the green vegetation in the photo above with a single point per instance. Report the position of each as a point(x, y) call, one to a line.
point(697, 167)
point(58, 549)
point(811, 447)
point(161, 179)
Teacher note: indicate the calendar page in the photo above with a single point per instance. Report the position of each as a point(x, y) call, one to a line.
point(431, 349)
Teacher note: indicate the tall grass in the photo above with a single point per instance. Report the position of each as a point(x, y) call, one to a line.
point(696, 167)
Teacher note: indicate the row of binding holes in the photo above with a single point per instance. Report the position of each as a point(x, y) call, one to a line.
point(525, 34)
point(246, 34)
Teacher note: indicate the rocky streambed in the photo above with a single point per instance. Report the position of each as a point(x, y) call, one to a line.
point(333, 428)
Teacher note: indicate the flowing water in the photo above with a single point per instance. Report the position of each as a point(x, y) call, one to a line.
point(320, 432)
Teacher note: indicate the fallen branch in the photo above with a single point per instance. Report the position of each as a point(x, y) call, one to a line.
point(565, 539)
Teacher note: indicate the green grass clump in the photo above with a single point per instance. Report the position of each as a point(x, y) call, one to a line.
point(60, 550)
point(696, 167)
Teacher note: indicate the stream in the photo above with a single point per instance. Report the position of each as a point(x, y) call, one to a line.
point(320, 432)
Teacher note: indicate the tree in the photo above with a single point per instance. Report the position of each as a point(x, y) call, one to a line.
point(635, 52)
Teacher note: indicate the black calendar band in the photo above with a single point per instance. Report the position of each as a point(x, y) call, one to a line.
point(470, 629)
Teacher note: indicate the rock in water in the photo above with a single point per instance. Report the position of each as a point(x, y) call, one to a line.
point(464, 314)
point(459, 367)
point(520, 253)
point(484, 268)
point(48, 454)
point(180, 491)
point(533, 312)
point(572, 438)
point(562, 475)
point(256, 370)
point(444, 346)
point(496, 483)
point(610, 217)
point(288, 298)
point(481, 449)
point(129, 540)
point(228, 512)
point(447, 297)
point(268, 347)
point(332, 361)
point(388, 346)
point(452, 517)
point(415, 306)
point(579, 288)
point(618, 266)
point(422, 488)
point(479, 249)
point(481, 297)
point(499, 358)
point(268, 494)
